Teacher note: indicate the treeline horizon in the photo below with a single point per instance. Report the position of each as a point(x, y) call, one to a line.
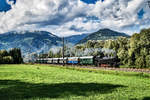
point(132, 52)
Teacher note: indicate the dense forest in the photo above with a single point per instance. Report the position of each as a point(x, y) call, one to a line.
point(12, 56)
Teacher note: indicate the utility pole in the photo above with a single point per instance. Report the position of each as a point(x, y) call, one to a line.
point(148, 3)
point(63, 50)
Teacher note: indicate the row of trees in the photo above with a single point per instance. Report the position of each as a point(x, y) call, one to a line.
point(134, 51)
point(12, 56)
point(79, 52)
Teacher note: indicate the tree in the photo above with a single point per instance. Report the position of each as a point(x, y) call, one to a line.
point(134, 49)
point(139, 48)
point(140, 62)
point(1, 59)
point(3, 53)
point(145, 38)
point(15, 53)
point(80, 47)
point(123, 55)
point(148, 61)
point(7, 60)
point(90, 44)
point(51, 54)
point(99, 44)
point(109, 44)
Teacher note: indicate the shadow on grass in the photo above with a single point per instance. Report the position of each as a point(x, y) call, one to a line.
point(16, 89)
point(146, 98)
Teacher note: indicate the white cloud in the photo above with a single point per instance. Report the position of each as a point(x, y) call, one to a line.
point(66, 17)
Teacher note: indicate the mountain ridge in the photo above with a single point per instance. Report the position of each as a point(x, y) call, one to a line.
point(29, 41)
point(42, 41)
point(103, 34)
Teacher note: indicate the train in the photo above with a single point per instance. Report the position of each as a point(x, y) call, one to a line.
point(86, 60)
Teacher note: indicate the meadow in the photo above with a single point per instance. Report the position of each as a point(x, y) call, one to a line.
point(47, 82)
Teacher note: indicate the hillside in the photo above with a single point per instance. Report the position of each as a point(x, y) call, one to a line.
point(103, 34)
point(36, 41)
point(42, 41)
point(75, 38)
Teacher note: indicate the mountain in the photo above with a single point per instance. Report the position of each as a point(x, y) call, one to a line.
point(35, 41)
point(42, 41)
point(75, 38)
point(103, 34)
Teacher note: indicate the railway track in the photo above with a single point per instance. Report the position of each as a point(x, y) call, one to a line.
point(126, 69)
point(111, 68)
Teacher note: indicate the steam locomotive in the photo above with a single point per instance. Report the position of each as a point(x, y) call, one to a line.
point(87, 60)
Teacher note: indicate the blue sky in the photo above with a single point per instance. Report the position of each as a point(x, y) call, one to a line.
point(4, 6)
point(67, 17)
point(90, 1)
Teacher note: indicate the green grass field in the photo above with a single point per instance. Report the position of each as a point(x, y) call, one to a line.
point(42, 82)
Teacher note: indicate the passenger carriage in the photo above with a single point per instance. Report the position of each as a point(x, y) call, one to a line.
point(55, 60)
point(49, 60)
point(73, 60)
point(87, 60)
point(63, 60)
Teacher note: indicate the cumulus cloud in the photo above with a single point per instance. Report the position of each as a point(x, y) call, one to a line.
point(67, 17)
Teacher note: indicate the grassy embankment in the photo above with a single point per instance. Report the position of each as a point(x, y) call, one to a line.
point(42, 82)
